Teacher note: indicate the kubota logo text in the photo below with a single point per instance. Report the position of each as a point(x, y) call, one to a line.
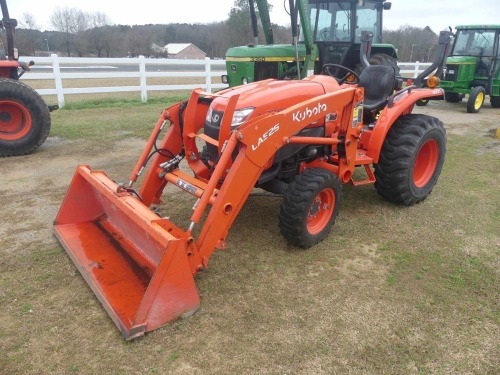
point(307, 113)
point(266, 136)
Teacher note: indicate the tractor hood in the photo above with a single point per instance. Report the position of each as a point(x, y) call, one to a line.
point(461, 60)
point(274, 52)
point(273, 95)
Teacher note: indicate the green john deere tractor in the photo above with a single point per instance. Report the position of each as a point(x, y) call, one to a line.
point(331, 31)
point(473, 67)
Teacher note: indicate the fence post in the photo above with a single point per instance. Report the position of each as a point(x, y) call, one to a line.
point(208, 77)
point(58, 80)
point(417, 67)
point(142, 74)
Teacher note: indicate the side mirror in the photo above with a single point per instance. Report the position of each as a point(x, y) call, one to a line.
point(387, 5)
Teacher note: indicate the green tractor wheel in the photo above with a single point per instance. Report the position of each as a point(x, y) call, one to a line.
point(476, 99)
point(379, 59)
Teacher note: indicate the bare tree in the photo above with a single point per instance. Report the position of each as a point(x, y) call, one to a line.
point(85, 34)
point(112, 40)
point(99, 35)
point(71, 22)
point(239, 23)
point(98, 19)
point(28, 22)
point(413, 43)
point(139, 41)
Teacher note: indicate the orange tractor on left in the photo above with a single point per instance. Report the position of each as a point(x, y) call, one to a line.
point(24, 115)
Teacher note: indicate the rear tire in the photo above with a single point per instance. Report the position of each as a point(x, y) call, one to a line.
point(24, 118)
point(380, 59)
point(476, 99)
point(310, 206)
point(495, 101)
point(411, 159)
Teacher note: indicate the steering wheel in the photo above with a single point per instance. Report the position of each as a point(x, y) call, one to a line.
point(324, 33)
point(351, 76)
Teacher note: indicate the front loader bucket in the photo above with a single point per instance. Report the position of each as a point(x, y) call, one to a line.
point(135, 262)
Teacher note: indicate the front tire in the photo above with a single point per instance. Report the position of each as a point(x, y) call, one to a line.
point(476, 99)
point(24, 118)
point(310, 206)
point(411, 159)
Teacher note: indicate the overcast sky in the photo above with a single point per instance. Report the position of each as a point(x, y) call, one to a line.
point(437, 14)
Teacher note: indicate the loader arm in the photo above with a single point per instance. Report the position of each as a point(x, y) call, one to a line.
point(258, 141)
point(311, 47)
point(265, 19)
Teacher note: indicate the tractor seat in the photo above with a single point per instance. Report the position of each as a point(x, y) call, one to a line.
point(378, 82)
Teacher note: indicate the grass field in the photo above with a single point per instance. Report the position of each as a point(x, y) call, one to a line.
point(392, 290)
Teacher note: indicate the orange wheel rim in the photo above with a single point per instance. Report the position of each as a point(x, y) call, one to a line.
point(321, 211)
point(15, 120)
point(425, 163)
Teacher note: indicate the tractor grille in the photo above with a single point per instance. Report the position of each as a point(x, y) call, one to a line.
point(451, 73)
point(212, 129)
point(265, 70)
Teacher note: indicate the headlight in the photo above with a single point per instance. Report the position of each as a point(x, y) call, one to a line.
point(244, 80)
point(209, 115)
point(433, 81)
point(224, 79)
point(240, 116)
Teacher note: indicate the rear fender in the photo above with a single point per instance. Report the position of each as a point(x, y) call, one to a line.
point(400, 103)
point(9, 64)
point(8, 69)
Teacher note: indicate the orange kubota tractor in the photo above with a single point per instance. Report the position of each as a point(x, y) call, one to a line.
point(303, 139)
point(24, 115)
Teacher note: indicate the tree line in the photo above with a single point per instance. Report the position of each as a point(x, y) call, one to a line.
point(82, 34)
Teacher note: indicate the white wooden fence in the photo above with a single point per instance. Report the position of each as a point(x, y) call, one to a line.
point(55, 64)
point(59, 66)
point(412, 69)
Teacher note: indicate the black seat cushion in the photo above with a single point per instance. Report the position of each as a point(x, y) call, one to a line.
point(378, 82)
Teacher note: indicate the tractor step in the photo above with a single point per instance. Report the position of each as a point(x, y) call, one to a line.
point(362, 160)
point(135, 262)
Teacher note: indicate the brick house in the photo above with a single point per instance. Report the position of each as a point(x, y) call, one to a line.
point(184, 51)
